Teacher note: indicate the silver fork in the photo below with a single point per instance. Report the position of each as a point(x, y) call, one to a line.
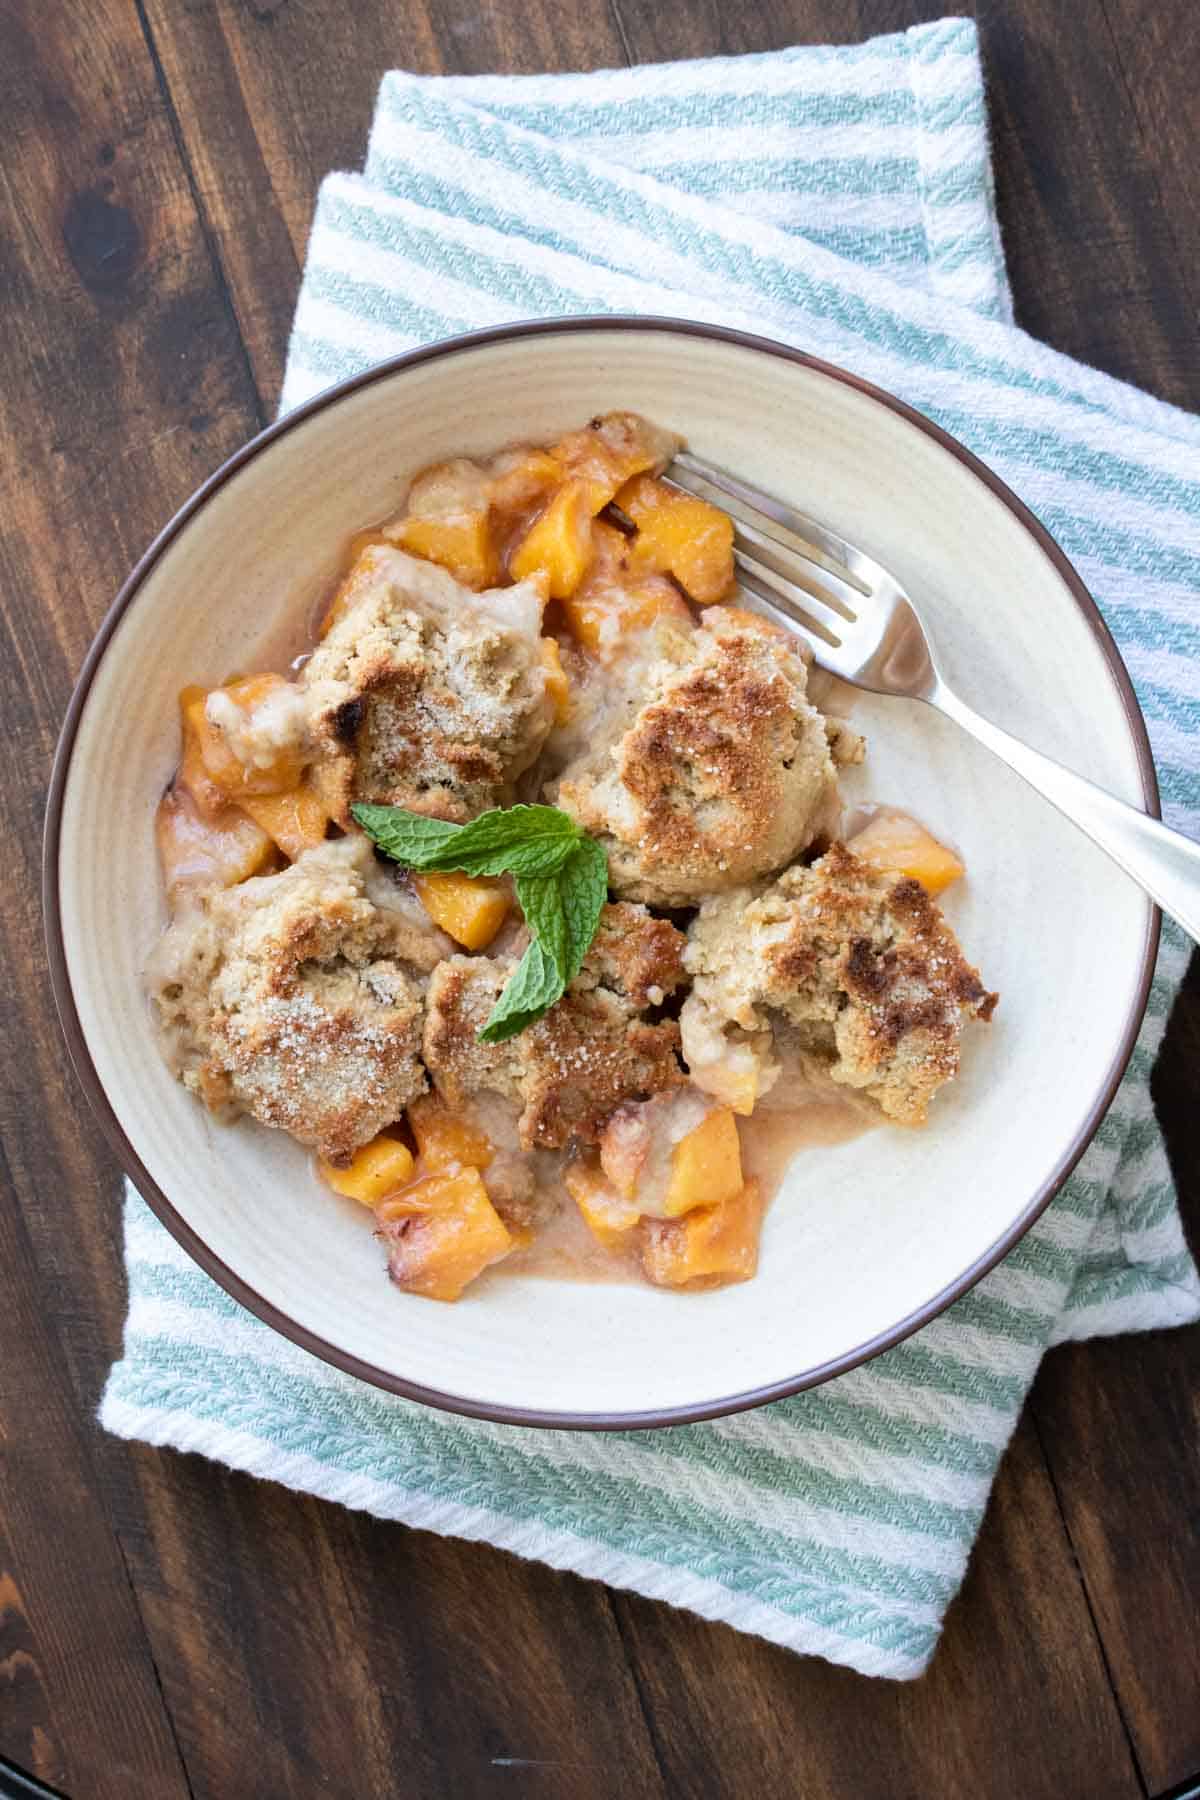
point(861, 626)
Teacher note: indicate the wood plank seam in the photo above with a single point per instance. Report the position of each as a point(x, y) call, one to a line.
point(158, 1680)
point(1093, 1621)
point(1148, 149)
point(645, 1706)
point(614, 13)
point(212, 249)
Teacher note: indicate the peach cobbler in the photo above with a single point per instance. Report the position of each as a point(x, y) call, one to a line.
point(522, 899)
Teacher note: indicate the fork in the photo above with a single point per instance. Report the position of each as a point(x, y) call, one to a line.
point(860, 625)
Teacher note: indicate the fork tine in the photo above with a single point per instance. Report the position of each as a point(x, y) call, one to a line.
point(780, 599)
point(827, 589)
point(776, 548)
point(795, 530)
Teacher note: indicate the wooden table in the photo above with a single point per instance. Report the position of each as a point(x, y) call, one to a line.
point(168, 1628)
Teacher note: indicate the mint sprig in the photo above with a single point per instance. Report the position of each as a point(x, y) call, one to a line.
point(561, 878)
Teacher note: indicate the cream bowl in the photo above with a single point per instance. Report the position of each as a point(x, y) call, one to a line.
point(866, 1239)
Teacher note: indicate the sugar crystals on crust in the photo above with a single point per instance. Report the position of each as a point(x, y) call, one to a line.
point(424, 694)
point(832, 973)
point(290, 997)
point(591, 1051)
point(717, 772)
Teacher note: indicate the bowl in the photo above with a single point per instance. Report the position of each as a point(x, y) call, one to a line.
point(866, 1239)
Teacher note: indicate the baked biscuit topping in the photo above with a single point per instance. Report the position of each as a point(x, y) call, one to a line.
point(722, 772)
point(834, 972)
point(290, 998)
point(425, 695)
point(592, 1051)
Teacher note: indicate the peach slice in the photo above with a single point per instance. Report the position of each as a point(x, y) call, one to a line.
point(608, 1217)
point(558, 544)
point(375, 1171)
point(233, 777)
point(708, 1247)
point(681, 536)
point(897, 845)
point(706, 1165)
point(445, 1140)
point(207, 852)
point(442, 1233)
point(462, 545)
point(471, 908)
point(295, 820)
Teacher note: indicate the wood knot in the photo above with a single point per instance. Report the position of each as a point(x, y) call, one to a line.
point(102, 239)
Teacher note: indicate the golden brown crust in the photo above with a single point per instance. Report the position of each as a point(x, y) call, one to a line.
point(332, 1071)
point(591, 1051)
point(849, 973)
point(425, 694)
point(722, 775)
point(303, 1010)
point(641, 957)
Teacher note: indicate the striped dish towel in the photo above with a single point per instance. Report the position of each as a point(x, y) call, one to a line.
point(839, 199)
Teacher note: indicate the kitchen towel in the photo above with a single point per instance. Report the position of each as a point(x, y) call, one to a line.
point(838, 199)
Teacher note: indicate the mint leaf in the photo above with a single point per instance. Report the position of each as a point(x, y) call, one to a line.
point(583, 885)
point(562, 911)
point(513, 840)
point(530, 991)
point(561, 880)
point(541, 902)
point(408, 837)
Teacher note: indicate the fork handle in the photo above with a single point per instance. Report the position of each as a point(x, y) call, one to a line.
point(1164, 862)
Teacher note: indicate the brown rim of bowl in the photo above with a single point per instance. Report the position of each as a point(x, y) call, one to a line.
point(220, 1271)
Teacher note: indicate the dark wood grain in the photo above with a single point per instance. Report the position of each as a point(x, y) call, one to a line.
point(1092, 255)
point(1120, 1422)
point(732, 1718)
point(74, 1656)
point(268, 106)
point(122, 381)
point(166, 1625)
point(358, 1658)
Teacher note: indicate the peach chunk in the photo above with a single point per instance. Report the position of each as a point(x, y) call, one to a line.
point(600, 619)
point(214, 852)
point(471, 908)
point(605, 454)
point(296, 820)
point(706, 1165)
point(608, 1217)
point(709, 1247)
point(559, 542)
point(234, 777)
point(615, 599)
point(445, 1140)
point(210, 799)
point(441, 1233)
point(376, 1171)
point(557, 685)
point(896, 844)
point(463, 545)
point(681, 536)
point(519, 484)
